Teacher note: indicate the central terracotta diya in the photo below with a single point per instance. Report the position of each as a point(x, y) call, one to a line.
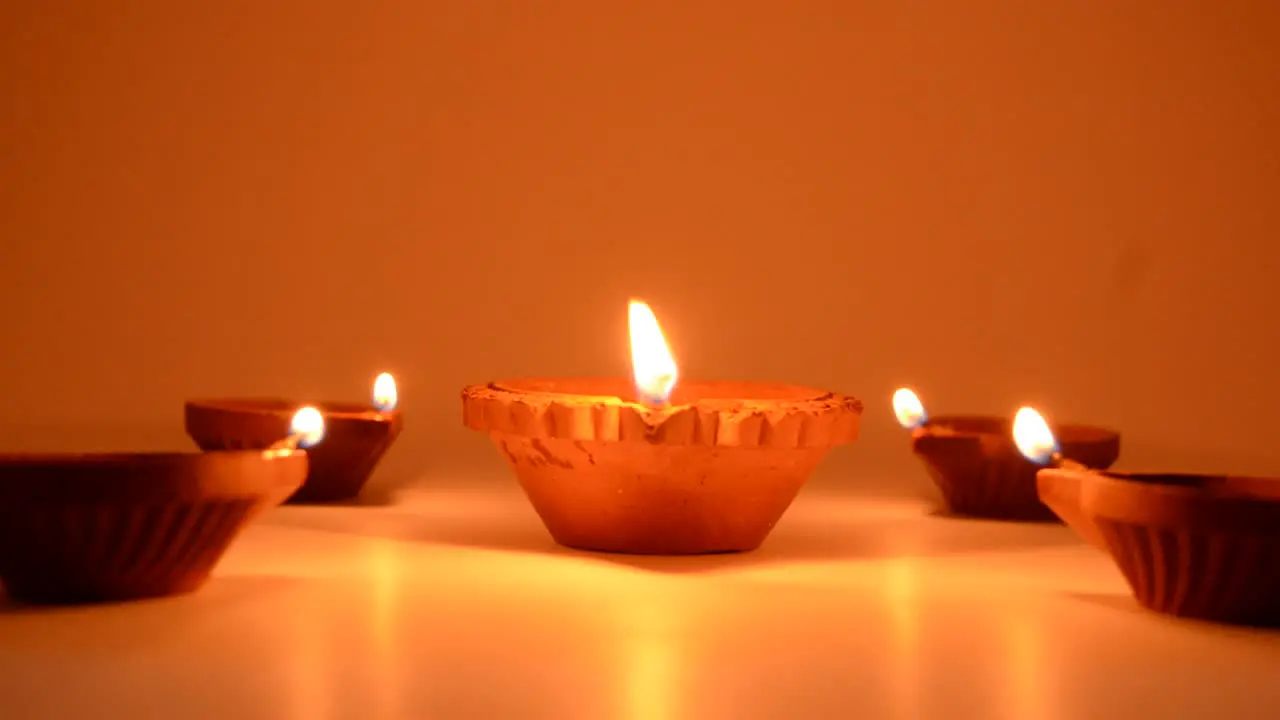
point(356, 436)
point(709, 467)
point(975, 464)
point(1194, 546)
point(121, 526)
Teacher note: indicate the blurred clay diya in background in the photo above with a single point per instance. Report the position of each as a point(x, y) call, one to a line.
point(1195, 546)
point(710, 467)
point(356, 437)
point(126, 526)
point(975, 464)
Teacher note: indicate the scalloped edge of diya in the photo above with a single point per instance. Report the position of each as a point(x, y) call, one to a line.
point(981, 474)
point(1195, 546)
point(709, 413)
point(711, 471)
point(79, 528)
point(356, 438)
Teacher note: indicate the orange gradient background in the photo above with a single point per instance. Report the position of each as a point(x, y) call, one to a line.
point(1069, 204)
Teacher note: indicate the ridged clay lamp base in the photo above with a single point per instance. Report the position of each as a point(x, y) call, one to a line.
point(95, 528)
point(1195, 546)
point(978, 469)
point(712, 471)
point(355, 439)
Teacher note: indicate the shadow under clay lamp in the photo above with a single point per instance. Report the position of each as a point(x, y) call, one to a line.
point(356, 436)
point(977, 467)
point(709, 468)
point(1194, 546)
point(105, 527)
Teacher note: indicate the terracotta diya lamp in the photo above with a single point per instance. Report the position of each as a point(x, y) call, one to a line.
point(125, 526)
point(357, 436)
point(975, 464)
point(1195, 546)
point(710, 467)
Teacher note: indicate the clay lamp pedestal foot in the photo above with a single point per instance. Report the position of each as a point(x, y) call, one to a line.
point(977, 467)
point(356, 436)
point(1194, 546)
point(711, 471)
point(109, 527)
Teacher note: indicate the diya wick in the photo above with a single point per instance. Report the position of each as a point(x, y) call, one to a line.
point(1195, 546)
point(976, 466)
point(356, 435)
point(686, 467)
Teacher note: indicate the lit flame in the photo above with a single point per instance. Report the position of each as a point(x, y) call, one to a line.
point(908, 408)
point(1033, 437)
point(651, 362)
point(307, 426)
point(385, 396)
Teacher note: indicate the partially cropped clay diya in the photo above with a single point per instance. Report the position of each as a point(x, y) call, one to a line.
point(1196, 546)
point(649, 467)
point(124, 526)
point(357, 436)
point(980, 473)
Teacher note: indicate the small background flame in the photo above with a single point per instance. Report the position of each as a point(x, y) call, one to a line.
point(908, 408)
point(1033, 437)
point(385, 394)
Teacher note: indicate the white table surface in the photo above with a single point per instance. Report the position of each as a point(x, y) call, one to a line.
point(453, 603)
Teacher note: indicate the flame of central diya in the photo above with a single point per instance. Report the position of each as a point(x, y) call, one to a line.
point(652, 366)
point(1033, 437)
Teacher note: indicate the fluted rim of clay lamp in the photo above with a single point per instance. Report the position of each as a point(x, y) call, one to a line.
point(282, 408)
point(701, 412)
point(148, 477)
point(1232, 503)
point(992, 428)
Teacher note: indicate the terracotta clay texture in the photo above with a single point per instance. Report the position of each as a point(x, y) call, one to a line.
point(93, 528)
point(1060, 491)
point(713, 471)
point(354, 441)
point(1194, 546)
point(974, 462)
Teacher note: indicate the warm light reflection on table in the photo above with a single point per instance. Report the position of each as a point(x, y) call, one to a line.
point(1028, 675)
point(900, 593)
point(651, 664)
point(386, 589)
point(311, 664)
point(854, 608)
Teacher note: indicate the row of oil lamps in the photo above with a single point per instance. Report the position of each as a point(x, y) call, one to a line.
point(650, 464)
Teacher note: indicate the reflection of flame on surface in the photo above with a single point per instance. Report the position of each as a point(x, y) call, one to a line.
point(308, 426)
point(902, 593)
point(651, 362)
point(1028, 683)
point(909, 409)
point(385, 395)
point(1033, 437)
point(653, 658)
